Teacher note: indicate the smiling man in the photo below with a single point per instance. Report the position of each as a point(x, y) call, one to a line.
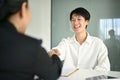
point(82, 50)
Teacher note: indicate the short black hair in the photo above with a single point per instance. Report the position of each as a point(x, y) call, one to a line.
point(82, 12)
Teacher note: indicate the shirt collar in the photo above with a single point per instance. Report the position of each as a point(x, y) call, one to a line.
point(88, 39)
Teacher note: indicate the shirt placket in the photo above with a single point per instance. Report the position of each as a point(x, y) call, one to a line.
point(81, 55)
point(79, 50)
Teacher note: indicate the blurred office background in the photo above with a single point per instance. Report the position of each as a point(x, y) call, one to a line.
point(40, 25)
point(104, 23)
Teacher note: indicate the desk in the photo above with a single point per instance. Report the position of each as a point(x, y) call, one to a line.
point(83, 74)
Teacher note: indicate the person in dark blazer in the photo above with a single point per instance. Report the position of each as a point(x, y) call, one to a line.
point(22, 57)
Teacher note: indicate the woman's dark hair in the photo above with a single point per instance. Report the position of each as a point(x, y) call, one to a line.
point(9, 7)
point(82, 12)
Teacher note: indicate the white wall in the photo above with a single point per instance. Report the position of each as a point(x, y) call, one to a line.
point(40, 26)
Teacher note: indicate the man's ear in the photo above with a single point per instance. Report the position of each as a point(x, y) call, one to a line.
point(87, 21)
point(22, 12)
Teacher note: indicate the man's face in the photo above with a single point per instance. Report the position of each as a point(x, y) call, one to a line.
point(78, 23)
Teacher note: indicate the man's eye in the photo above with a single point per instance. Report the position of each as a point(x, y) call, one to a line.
point(72, 20)
point(79, 19)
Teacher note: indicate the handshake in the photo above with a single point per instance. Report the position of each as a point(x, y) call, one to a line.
point(53, 51)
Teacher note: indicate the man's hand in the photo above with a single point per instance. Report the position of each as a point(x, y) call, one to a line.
point(54, 51)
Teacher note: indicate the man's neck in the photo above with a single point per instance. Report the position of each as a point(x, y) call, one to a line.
point(81, 37)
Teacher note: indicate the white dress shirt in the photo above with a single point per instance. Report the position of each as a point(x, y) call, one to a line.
point(92, 54)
